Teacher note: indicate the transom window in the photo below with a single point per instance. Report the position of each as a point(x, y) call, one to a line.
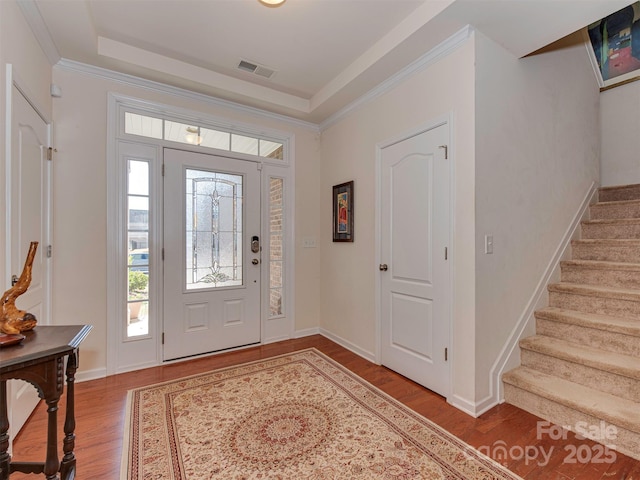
point(158, 128)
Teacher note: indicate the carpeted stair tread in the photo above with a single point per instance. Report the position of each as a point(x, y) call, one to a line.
point(614, 410)
point(611, 228)
point(633, 201)
point(616, 363)
point(615, 209)
point(612, 221)
point(596, 291)
point(602, 265)
point(608, 242)
point(608, 323)
point(619, 192)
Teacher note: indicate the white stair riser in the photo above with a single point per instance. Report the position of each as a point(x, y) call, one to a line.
point(598, 276)
point(590, 304)
point(626, 441)
point(590, 337)
point(604, 381)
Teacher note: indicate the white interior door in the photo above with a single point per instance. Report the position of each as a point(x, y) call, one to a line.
point(414, 296)
point(29, 221)
point(211, 271)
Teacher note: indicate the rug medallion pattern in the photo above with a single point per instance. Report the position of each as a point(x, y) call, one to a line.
point(296, 416)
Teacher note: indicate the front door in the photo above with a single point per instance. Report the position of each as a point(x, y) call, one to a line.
point(414, 283)
point(211, 253)
point(29, 221)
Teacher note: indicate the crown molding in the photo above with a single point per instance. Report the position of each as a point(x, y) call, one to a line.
point(34, 18)
point(436, 53)
point(132, 80)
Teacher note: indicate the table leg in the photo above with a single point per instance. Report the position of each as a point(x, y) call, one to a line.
point(51, 464)
point(5, 458)
point(68, 465)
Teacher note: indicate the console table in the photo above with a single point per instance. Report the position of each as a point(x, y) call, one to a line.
point(39, 360)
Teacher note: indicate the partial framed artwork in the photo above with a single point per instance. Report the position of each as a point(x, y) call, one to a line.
point(614, 47)
point(343, 212)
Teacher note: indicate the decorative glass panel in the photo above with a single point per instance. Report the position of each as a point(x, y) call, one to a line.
point(142, 125)
point(138, 248)
point(213, 229)
point(276, 236)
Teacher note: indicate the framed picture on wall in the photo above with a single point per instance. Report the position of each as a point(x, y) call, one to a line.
point(343, 212)
point(614, 47)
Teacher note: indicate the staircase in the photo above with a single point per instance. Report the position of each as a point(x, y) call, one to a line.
point(582, 368)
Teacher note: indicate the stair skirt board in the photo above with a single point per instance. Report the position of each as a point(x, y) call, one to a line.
point(582, 367)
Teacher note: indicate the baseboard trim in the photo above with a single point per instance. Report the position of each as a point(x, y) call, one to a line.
point(307, 332)
point(85, 376)
point(462, 404)
point(370, 356)
point(510, 355)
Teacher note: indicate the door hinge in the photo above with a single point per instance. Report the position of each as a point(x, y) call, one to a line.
point(446, 253)
point(163, 254)
point(163, 169)
point(50, 153)
point(49, 248)
point(446, 354)
point(162, 338)
point(446, 151)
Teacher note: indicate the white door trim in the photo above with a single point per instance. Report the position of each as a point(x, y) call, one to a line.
point(434, 123)
point(272, 329)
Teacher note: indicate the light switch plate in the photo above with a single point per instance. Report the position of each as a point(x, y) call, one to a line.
point(488, 244)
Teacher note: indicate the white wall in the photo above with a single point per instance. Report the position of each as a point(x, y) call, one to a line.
point(620, 131)
point(79, 280)
point(348, 270)
point(537, 154)
point(18, 47)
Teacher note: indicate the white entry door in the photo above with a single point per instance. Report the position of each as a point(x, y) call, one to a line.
point(29, 221)
point(211, 253)
point(414, 270)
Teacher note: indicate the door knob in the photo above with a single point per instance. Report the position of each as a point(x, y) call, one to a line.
point(384, 267)
point(255, 261)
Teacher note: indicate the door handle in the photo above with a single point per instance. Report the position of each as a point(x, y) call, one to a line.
point(14, 280)
point(383, 267)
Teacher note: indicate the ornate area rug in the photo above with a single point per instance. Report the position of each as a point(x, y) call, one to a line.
point(295, 416)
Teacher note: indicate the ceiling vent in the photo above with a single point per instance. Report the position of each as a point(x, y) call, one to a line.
point(255, 69)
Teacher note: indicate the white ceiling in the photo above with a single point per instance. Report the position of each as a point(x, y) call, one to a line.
point(326, 53)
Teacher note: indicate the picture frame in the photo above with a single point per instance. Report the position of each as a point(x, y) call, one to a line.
point(343, 212)
point(613, 44)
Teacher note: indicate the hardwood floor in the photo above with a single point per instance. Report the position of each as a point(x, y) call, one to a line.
point(100, 415)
